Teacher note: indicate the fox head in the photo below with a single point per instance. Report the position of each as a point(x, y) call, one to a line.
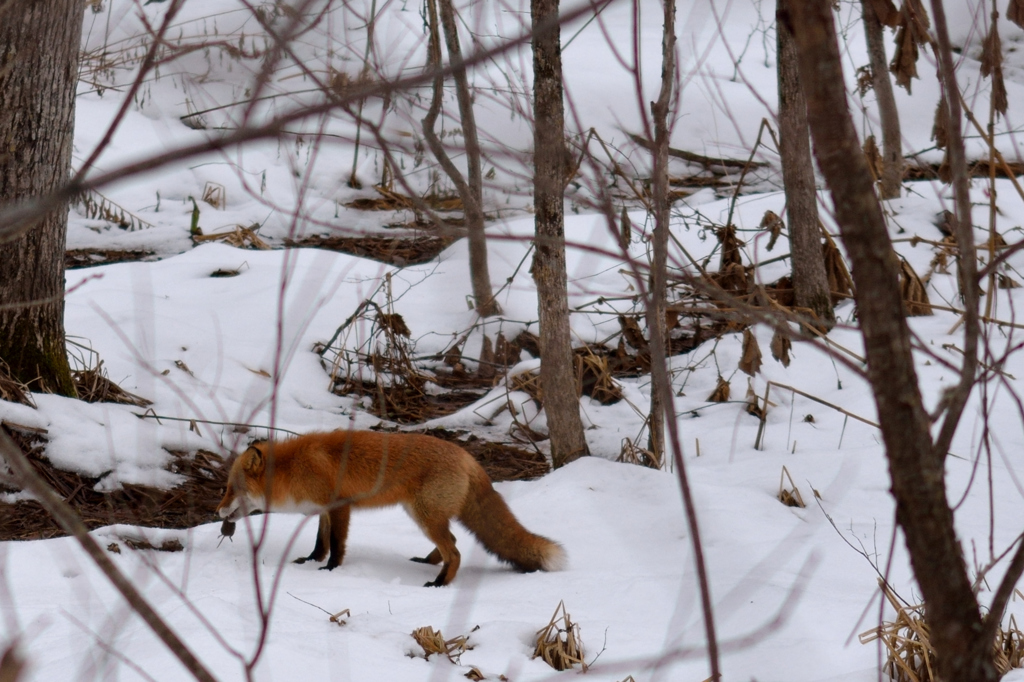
point(246, 490)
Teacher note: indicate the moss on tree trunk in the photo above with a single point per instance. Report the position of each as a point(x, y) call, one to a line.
point(39, 43)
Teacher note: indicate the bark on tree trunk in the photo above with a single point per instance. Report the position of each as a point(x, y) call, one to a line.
point(39, 43)
point(557, 375)
point(472, 200)
point(916, 468)
point(471, 193)
point(810, 281)
point(659, 262)
point(892, 149)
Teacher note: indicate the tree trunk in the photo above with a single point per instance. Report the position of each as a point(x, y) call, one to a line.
point(470, 193)
point(892, 150)
point(915, 466)
point(810, 281)
point(39, 43)
point(662, 207)
point(557, 375)
point(472, 200)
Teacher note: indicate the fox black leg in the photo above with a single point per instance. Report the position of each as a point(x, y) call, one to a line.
point(320, 548)
point(339, 519)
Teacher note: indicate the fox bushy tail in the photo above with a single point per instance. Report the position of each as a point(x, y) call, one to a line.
point(487, 516)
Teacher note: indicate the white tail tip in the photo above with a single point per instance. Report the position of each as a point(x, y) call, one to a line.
point(555, 558)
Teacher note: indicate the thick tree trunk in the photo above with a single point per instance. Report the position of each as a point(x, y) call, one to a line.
point(39, 43)
point(472, 192)
point(557, 375)
point(810, 281)
point(916, 468)
point(892, 150)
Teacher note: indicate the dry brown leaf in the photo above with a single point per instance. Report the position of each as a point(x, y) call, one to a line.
point(731, 245)
point(754, 407)
point(394, 323)
point(946, 170)
point(874, 158)
point(991, 52)
point(992, 65)
point(750, 362)
point(1015, 12)
point(721, 392)
point(1007, 282)
point(485, 367)
point(840, 283)
point(904, 61)
point(940, 126)
point(781, 346)
point(773, 223)
point(631, 332)
point(915, 297)
point(733, 277)
point(865, 80)
point(886, 12)
point(912, 31)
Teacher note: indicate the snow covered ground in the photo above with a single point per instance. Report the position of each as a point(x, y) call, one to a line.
point(792, 588)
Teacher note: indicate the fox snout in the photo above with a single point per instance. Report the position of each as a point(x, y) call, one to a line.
point(231, 509)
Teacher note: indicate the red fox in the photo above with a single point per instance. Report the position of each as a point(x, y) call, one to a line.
point(436, 481)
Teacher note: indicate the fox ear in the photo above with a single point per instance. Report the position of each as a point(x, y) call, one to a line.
point(255, 461)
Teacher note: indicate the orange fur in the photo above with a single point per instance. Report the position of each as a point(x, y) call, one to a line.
point(436, 481)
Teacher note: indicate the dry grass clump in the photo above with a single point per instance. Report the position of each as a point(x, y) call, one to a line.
point(11, 389)
point(240, 238)
point(559, 642)
point(433, 642)
point(138, 544)
point(593, 378)
point(94, 205)
point(399, 251)
point(631, 453)
point(911, 657)
point(94, 386)
point(790, 496)
point(185, 506)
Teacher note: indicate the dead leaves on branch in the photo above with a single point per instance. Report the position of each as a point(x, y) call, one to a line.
point(911, 31)
point(1015, 12)
point(772, 224)
point(840, 283)
point(992, 66)
point(886, 12)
